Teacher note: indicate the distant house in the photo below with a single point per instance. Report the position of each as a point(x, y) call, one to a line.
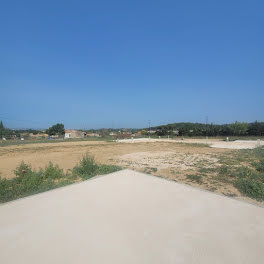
point(70, 133)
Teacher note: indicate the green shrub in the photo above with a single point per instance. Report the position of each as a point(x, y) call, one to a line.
point(243, 172)
point(251, 188)
point(22, 169)
point(87, 168)
point(28, 182)
point(259, 165)
point(105, 169)
point(53, 172)
point(195, 178)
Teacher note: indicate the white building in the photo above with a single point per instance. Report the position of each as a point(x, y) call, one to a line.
point(70, 133)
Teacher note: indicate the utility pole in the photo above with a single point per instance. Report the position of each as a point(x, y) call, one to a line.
point(206, 129)
point(149, 128)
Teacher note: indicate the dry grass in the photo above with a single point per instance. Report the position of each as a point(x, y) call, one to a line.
point(194, 164)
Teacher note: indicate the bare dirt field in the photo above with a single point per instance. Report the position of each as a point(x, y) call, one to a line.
point(190, 162)
point(163, 155)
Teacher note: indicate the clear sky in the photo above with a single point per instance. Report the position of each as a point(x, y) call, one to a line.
point(104, 63)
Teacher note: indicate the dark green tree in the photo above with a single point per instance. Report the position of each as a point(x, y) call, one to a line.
point(57, 129)
point(2, 128)
point(256, 128)
point(198, 129)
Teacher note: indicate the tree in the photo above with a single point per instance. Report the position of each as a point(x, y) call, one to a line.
point(1, 125)
point(239, 129)
point(2, 128)
point(256, 128)
point(57, 129)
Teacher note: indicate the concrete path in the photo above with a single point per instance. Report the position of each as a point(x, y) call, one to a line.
point(129, 217)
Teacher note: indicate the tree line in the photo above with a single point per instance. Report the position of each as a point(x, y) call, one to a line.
point(198, 129)
point(7, 133)
point(176, 129)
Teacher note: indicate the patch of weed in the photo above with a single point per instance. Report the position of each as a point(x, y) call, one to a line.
point(259, 165)
point(150, 170)
point(28, 181)
point(195, 178)
point(87, 168)
point(212, 189)
point(251, 188)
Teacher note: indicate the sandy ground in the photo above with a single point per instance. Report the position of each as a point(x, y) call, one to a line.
point(214, 143)
point(130, 217)
point(173, 160)
point(167, 159)
point(162, 155)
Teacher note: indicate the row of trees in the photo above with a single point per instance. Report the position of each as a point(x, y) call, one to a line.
point(177, 129)
point(57, 129)
point(198, 129)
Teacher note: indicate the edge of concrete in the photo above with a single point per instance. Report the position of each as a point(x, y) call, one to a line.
point(237, 199)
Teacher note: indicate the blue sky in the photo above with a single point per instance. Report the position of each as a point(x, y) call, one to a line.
point(93, 64)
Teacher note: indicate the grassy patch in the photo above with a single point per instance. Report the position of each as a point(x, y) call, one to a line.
point(195, 178)
point(245, 172)
point(28, 181)
point(243, 169)
point(251, 188)
point(150, 170)
point(259, 165)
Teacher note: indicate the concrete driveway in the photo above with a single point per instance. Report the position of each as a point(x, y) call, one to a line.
point(129, 217)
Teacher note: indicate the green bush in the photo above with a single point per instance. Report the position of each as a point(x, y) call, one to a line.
point(243, 172)
point(22, 169)
point(259, 165)
point(195, 178)
point(251, 188)
point(52, 172)
point(105, 169)
point(28, 181)
point(87, 168)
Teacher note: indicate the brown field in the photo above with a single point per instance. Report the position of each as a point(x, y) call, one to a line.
point(176, 161)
